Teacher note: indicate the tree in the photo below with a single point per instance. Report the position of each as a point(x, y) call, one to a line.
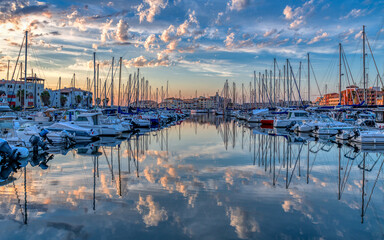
point(45, 98)
point(105, 101)
point(20, 95)
point(63, 100)
point(78, 99)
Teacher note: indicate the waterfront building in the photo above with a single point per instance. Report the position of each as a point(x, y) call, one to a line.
point(15, 91)
point(70, 97)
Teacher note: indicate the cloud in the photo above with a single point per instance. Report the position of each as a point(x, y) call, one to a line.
point(105, 30)
point(359, 34)
point(354, 13)
point(237, 5)
point(122, 31)
point(269, 33)
point(183, 28)
point(149, 41)
point(229, 40)
point(166, 35)
point(154, 7)
point(94, 46)
point(321, 35)
point(299, 14)
point(172, 46)
point(288, 12)
point(141, 61)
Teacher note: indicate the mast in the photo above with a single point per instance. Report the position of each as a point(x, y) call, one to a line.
point(339, 73)
point(25, 71)
point(59, 91)
point(8, 70)
point(274, 80)
point(94, 77)
point(309, 82)
point(284, 86)
point(113, 60)
point(118, 95)
point(254, 89)
point(97, 86)
point(364, 79)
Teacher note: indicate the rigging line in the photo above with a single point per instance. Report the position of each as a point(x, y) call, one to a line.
point(17, 60)
point(374, 61)
point(317, 84)
point(349, 69)
point(373, 188)
point(297, 88)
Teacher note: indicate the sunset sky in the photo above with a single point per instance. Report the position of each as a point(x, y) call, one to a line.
point(194, 44)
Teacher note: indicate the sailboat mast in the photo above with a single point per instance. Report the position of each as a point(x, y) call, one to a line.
point(94, 77)
point(113, 61)
point(364, 80)
point(309, 81)
point(118, 95)
point(339, 73)
point(25, 71)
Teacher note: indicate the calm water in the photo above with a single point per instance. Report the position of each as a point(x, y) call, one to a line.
point(203, 179)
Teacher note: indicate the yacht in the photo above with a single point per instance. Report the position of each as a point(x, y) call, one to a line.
point(295, 116)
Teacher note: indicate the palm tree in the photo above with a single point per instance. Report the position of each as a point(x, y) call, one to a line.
point(45, 98)
point(20, 95)
point(63, 100)
point(78, 99)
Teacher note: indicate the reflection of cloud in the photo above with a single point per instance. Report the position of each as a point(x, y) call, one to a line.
point(242, 222)
point(287, 205)
point(155, 213)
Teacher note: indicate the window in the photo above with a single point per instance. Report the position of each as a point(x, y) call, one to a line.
point(82, 119)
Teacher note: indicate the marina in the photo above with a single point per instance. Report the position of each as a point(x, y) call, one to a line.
point(173, 119)
point(182, 182)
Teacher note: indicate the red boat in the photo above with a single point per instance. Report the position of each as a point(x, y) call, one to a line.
point(266, 122)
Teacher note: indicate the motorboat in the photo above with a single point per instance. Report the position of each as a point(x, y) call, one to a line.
point(294, 117)
point(80, 134)
point(92, 121)
point(368, 137)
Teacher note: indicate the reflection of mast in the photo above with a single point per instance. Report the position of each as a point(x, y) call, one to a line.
point(118, 162)
point(362, 186)
point(25, 196)
point(137, 155)
point(94, 183)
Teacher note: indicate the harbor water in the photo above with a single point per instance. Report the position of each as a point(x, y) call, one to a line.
point(205, 177)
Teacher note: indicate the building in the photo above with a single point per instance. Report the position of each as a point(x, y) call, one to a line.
point(14, 90)
point(73, 97)
point(172, 103)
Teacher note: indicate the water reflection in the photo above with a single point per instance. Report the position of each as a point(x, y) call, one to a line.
point(205, 177)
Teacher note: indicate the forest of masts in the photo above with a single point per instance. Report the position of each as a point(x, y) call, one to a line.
point(271, 88)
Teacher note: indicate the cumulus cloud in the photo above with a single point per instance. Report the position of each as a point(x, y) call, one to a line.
point(105, 30)
point(141, 61)
point(237, 5)
point(153, 7)
point(183, 28)
point(299, 14)
point(166, 35)
point(122, 31)
point(229, 40)
point(321, 35)
point(288, 14)
point(172, 46)
point(149, 41)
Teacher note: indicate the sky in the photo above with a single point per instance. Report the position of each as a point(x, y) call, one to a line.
point(192, 44)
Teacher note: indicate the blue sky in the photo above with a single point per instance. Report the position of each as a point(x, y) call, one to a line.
point(196, 45)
